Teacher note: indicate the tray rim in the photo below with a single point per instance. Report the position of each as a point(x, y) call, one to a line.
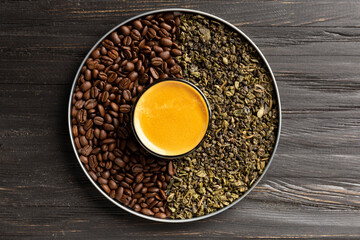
point(278, 103)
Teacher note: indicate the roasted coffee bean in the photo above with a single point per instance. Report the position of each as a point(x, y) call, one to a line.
point(148, 195)
point(125, 30)
point(94, 73)
point(104, 96)
point(91, 65)
point(149, 184)
point(168, 16)
point(160, 215)
point(165, 55)
point(127, 41)
point(125, 108)
point(133, 75)
point(149, 201)
point(107, 60)
point(87, 95)
point(112, 184)
point(85, 86)
point(156, 61)
point(147, 179)
point(98, 121)
point(137, 168)
point(159, 184)
point(171, 170)
point(146, 49)
point(96, 54)
point(135, 34)
point(138, 187)
point(175, 69)
point(90, 134)
point(90, 104)
point(112, 194)
point(127, 95)
point(132, 203)
point(113, 54)
point(114, 106)
point(176, 52)
point(154, 73)
point(138, 65)
point(119, 177)
point(105, 174)
point(144, 190)
point(120, 162)
point(164, 33)
point(75, 131)
point(151, 33)
point(106, 188)
point(128, 192)
point(102, 76)
point(115, 37)
point(151, 205)
point(84, 159)
point(94, 92)
point(127, 54)
point(129, 67)
point(108, 127)
point(93, 162)
point(139, 177)
point(128, 180)
point(81, 116)
point(119, 193)
point(139, 88)
point(101, 110)
point(93, 175)
point(147, 212)
point(137, 208)
point(153, 189)
point(108, 141)
point(102, 180)
point(124, 184)
point(166, 26)
point(83, 141)
point(112, 77)
point(125, 200)
point(158, 49)
point(166, 42)
point(77, 142)
point(129, 175)
point(86, 150)
point(162, 194)
point(107, 44)
point(87, 74)
point(78, 95)
point(138, 25)
point(124, 83)
point(132, 146)
point(170, 62)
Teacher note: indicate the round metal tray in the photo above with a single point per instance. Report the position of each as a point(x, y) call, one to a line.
point(129, 209)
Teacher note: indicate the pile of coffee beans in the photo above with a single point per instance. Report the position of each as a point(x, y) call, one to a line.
point(118, 70)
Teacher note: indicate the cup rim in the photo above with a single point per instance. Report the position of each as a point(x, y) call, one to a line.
point(170, 157)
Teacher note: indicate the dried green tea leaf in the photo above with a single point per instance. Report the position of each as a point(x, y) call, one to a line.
point(244, 120)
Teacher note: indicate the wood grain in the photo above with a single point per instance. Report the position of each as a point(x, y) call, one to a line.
point(312, 189)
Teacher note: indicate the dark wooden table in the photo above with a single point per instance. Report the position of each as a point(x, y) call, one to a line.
point(312, 189)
